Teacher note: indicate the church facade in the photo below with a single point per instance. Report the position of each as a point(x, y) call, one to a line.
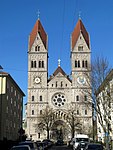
point(59, 92)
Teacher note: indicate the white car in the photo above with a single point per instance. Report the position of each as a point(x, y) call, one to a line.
point(21, 147)
point(80, 138)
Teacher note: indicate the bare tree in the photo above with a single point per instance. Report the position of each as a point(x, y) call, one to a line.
point(46, 120)
point(99, 71)
point(73, 120)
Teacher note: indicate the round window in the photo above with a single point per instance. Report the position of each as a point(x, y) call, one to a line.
point(59, 100)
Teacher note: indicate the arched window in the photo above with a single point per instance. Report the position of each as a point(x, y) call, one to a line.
point(40, 112)
point(77, 112)
point(32, 98)
point(34, 64)
point(85, 112)
point(77, 98)
point(61, 84)
point(35, 48)
point(83, 64)
point(42, 64)
point(75, 63)
point(39, 64)
point(32, 112)
point(40, 97)
point(86, 64)
point(56, 83)
point(85, 98)
point(78, 63)
point(31, 64)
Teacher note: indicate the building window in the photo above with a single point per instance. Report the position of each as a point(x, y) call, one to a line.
point(56, 83)
point(61, 84)
point(80, 48)
point(41, 64)
point(41, 98)
point(85, 97)
point(39, 135)
point(40, 112)
point(32, 98)
point(78, 63)
point(32, 112)
point(35, 48)
point(77, 98)
point(33, 64)
point(77, 112)
point(86, 64)
point(75, 63)
point(83, 64)
point(38, 48)
point(85, 112)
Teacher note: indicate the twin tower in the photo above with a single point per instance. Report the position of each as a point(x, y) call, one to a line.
point(60, 92)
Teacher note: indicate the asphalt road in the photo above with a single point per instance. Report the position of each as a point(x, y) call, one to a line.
point(64, 147)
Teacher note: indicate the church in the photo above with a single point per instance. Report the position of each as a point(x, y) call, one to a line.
point(60, 92)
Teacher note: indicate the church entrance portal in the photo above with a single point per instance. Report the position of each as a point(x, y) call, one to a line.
point(60, 130)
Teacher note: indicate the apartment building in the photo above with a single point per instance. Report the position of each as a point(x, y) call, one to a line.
point(105, 109)
point(11, 107)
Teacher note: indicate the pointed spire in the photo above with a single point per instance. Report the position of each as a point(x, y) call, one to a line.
point(79, 28)
point(38, 28)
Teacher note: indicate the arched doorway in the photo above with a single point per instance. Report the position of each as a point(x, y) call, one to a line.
point(60, 130)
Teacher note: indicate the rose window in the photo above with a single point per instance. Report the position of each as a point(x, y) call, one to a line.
point(59, 100)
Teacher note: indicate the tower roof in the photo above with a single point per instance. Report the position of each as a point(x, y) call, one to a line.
point(38, 28)
point(79, 28)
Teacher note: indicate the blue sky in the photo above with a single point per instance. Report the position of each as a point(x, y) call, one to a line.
point(58, 17)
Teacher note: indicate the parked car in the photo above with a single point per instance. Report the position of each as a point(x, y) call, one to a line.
point(59, 142)
point(82, 145)
point(42, 145)
point(31, 144)
point(21, 147)
point(48, 142)
point(80, 139)
point(94, 146)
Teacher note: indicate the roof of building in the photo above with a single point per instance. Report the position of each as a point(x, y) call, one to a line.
point(105, 82)
point(79, 28)
point(5, 74)
point(38, 28)
point(59, 69)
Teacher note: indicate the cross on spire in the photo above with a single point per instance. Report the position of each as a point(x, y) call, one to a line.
point(79, 14)
point(59, 62)
point(38, 13)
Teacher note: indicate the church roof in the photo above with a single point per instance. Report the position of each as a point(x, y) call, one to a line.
point(38, 28)
point(79, 28)
point(59, 69)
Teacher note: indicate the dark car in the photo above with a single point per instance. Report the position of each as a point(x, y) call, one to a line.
point(20, 147)
point(31, 144)
point(59, 142)
point(94, 146)
point(82, 145)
